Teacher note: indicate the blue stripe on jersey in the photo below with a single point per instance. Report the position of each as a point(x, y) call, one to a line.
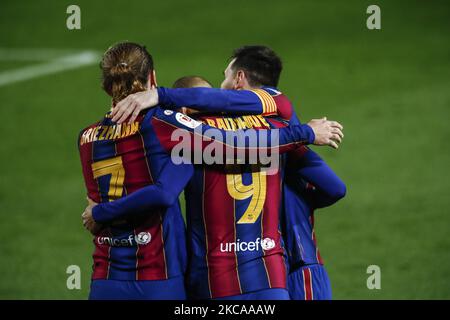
point(173, 222)
point(174, 245)
point(198, 273)
point(121, 258)
point(250, 263)
point(298, 234)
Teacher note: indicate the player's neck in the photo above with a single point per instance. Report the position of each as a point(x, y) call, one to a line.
point(248, 87)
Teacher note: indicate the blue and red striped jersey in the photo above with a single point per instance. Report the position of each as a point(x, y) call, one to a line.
point(310, 184)
point(232, 254)
point(233, 211)
point(175, 129)
point(233, 226)
point(265, 101)
point(118, 160)
point(298, 226)
point(240, 199)
point(297, 210)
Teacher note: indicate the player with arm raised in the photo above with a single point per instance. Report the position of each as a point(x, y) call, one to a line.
point(165, 124)
point(121, 159)
point(236, 76)
point(221, 269)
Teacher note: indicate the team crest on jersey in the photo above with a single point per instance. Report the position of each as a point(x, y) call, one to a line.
point(267, 243)
point(187, 121)
point(143, 238)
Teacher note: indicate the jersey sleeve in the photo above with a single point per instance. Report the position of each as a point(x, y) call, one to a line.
point(164, 193)
point(328, 187)
point(218, 100)
point(172, 127)
point(294, 120)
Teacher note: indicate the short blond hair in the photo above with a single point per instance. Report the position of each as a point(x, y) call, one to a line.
point(191, 82)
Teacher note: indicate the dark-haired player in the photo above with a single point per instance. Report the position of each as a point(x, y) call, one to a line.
point(142, 255)
point(307, 278)
point(256, 68)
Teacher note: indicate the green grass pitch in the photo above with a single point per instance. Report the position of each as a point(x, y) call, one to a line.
point(389, 87)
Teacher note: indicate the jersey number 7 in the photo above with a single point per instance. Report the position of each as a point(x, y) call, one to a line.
point(114, 167)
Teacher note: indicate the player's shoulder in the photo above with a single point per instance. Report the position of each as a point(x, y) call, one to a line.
point(174, 118)
point(144, 119)
point(275, 102)
point(88, 129)
point(274, 92)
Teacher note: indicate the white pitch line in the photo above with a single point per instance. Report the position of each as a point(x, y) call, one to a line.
point(62, 63)
point(34, 54)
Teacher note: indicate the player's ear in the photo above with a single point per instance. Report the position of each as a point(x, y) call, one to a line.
point(240, 80)
point(152, 80)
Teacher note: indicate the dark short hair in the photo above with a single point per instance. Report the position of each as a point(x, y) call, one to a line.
point(261, 65)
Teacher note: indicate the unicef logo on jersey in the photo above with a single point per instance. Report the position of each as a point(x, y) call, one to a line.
point(242, 246)
point(143, 238)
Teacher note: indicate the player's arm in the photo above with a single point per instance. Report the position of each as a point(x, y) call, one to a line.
point(212, 100)
point(164, 193)
point(204, 99)
point(175, 129)
point(130, 107)
point(328, 187)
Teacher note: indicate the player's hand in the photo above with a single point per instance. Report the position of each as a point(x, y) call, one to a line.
point(328, 133)
point(88, 221)
point(130, 107)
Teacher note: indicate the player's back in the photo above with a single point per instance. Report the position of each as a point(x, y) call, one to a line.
point(118, 160)
point(233, 220)
point(298, 223)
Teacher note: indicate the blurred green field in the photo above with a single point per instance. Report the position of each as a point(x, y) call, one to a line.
point(390, 89)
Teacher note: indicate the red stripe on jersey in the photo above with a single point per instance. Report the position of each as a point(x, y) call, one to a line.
point(101, 252)
point(284, 106)
point(307, 284)
point(220, 222)
point(86, 155)
point(318, 256)
point(276, 123)
point(134, 159)
point(273, 258)
point(101, 257)
point(150, 258)
point(295, 156)
point(164, 133)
